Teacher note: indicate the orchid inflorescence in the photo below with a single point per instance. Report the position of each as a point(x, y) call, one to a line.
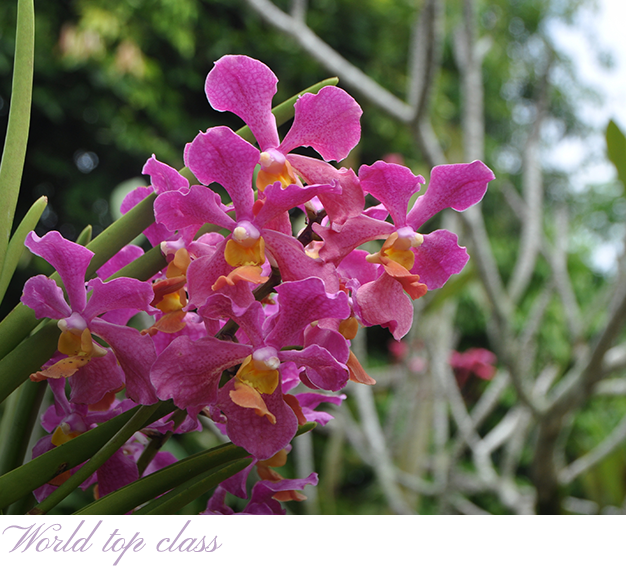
point(251, 323)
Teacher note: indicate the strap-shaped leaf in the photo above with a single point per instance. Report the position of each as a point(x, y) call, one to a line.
point(16, 245)
point(21, 481)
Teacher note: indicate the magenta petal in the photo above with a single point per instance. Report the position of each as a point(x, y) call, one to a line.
point(250, 319)
point(262, 501)
point(354, 232)
point(438, 258)
point(328, 339)
point(163, 177)
point(322, 369)
point(156, 233)
point(393, 185)
point(303, 302)
point(328, 121)
point(245, 87)
point(355, 266)
point(456, 186)
point(279, 200)
point(135, 353)
point(91, 382)
point(119, 470)
point(383, 302)
point(68, 258)
point(189, 372)
point(295, 264)
point(45, 297)
point(195, 207)
point(339, 207)
point(126, 255)
point(120, 293)
point(256, 434)
point(221, 156)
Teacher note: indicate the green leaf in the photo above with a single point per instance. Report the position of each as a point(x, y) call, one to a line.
point(616, 149)
point(144, 489)
point(14, 152)
point(16, 245)
point(28, 357)
point(85, 236)
point(132, 495)
point(136, 422)
point(20, 482)
point(184, 494)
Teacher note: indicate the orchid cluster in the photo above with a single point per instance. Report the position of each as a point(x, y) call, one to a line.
point(251, 318)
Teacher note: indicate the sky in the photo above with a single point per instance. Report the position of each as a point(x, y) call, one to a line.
point(600, 30)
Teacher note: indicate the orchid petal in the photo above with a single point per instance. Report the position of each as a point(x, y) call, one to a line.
point(279, 200)
point(195, 207)
point(189, 372)
point(245, 87)
point(125, 256)
point(220, 155)
point(302, 302)
point(328, 121)
point(135, 353)
point(120, 293)
point(294, 263)
point(384, 303)
point(393, 185)
point(255, 433)
point(69, 259)
point(354, 232)
point(457, 186)
point(163, 178)
point(322, 369)
point(45, 297)
point(438, 258)
point(93, 381)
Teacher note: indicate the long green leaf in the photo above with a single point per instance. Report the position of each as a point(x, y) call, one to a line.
point(616, 149)
point(28, 358)
point(16, 245)
point(19, 482)
point(144, 489)
point(193, 488)
point(14, 152)
point(112, 445)
point(132, 495)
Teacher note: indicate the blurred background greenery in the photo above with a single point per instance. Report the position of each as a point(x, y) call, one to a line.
point(118, 80)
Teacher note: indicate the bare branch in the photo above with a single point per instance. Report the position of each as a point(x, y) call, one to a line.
point(532, 229)
point(356, 79)
point(601, 451)
point(298, 10)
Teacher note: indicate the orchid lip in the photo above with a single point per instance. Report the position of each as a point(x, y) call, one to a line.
point(246, 234)
point(272, 161)
point(408, 238)
point(265, 359)
point(74, 323)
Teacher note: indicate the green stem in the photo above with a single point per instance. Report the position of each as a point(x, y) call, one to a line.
point(16, 244)
point(20, 482)
point(14, 153)
point(193, 488)
point(28, 358)
point(157, 442)
point(13, 450)
point(99, 458)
